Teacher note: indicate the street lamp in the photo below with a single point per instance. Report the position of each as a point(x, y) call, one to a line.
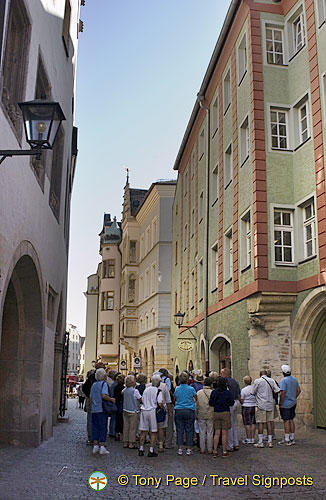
point(178, 320)
point(42, 119)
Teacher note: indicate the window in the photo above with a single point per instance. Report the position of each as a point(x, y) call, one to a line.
point(283, 236)
point(15, 62)
point(107, 301)
point(185, 184)
point(193, 163)
point(227, 91)
point(142, 249)
point(201, 149)
point(131, 289)
point(200, 280)
point(153, 319)
point(147, 283)
point(56, 174)
point(274, 45)
point(154, 232)
point(146, 321)
point(141, 287)
point(309, 229)
point(228, 268)
point(192, 289)
point(215, 184)
point(148, 239)
point(279, 128)
point(192, 222)
point(66, 27)
point(298, 33)
point(242, 58)
point(246, 240)
point(132, 252)
point(106, 334)
point(244, 141)
point(108, 268)
point(214, 267)
point(185, 237)
point(201, 207)
point(321, 11)
point(228, 166)
point(153, 279)
point(215, 116)
point(301, 117)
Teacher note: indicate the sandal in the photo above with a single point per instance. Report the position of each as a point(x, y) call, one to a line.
point(225, 454)
point(214, 454)
point(236, 448)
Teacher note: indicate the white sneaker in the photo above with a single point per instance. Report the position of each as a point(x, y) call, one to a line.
point(270, 444)
point(283, 441)
point(246, 441)
point(259, 445)
point(179, 451)
point(292, 441)
point(189, 452)
point(96, 449)
point(104, 451)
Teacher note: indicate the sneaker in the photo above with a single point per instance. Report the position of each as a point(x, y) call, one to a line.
point(265, 438)
point(179, 451)
point(292, 441)
point(189, 452)
point(259, 445)
point(270, 444)
point(140, 453)
point(96, 449)
point(152, 454)
point(104, 451)
point(283, 441)
point(89, 441)
point(246, 441)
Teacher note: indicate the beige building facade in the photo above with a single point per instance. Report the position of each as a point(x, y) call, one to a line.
point(146, 277)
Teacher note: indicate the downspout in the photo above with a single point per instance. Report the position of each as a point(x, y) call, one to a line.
point(201, 98)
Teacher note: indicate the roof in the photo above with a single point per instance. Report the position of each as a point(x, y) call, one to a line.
point(137, 197)
point(235, 4)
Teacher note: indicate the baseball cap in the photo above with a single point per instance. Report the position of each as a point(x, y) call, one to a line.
point(286, 369)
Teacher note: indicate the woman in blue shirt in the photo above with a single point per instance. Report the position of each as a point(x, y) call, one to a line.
point(184, 418)
point(221, 399)
point(99, 391)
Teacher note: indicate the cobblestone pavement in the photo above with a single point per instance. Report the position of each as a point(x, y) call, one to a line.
point(60, 467)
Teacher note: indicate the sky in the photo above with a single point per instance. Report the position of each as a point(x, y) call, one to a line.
point(140, 66)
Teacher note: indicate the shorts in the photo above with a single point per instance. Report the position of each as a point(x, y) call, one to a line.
point(221, 421)
point(288, 413)
point(163, 425)
point(263, 416)
point(248, 415)
point(148, 420)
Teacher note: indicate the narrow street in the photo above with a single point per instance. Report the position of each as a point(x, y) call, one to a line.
point(61, 466)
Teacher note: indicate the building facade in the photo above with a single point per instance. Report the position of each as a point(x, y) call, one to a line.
point(146, 277)
point(249, 215)
point(103, 300)
point(73, 365)
point(38, 54)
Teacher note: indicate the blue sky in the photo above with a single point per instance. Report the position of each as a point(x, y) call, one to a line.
point(140, 66)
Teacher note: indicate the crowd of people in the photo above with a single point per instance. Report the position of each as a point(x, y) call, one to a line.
point(203, 410)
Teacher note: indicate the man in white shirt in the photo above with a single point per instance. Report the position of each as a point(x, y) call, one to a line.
point(264, 389)
point(248, 401)
point(152, 396)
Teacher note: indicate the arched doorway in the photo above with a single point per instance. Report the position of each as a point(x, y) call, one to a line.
point(21, 355)
point(202, 357)
point(319, 371)
point(145, 368)
point(190, 366)
point(220, 352)
point(152, 361)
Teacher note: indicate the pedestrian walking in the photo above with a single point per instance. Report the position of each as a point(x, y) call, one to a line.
point(264, 389)
point(166, 378)
point(290, 390)
point(221, 400)
point(99, 392)
point(234, 388)
point(151, 398)
point(111, 384)
point(185, 397)
point(117, 394)
point(248, 401)
point(86, 387)
point(81, 396)
point(131, 408)
point(204, 415)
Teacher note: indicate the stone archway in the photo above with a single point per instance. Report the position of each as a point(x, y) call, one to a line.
point(202, 357)
point(309, 317)
point(146, 363)
point(220, 354)
point(152, 361)
point(21, 356)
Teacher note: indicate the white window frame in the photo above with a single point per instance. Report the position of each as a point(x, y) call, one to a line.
point(227, 90)
point(244, 141)
point(141, 288)
point(321, 6)
point(286, 111)
point(215, 116)
point(214, 266)
point(245, 240)
point(279, 27)
point(298, 21)
point(153, 277)
point(242, 58)
point(154, 231)
point(301, 224)
point(228, 253)
point(228, 163)
point(275, 227)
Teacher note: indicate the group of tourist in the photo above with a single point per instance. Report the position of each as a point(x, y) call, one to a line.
point(206, 407)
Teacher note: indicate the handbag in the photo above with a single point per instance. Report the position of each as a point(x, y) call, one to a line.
point(275, 394)
point(160, 412)
point(108, 407)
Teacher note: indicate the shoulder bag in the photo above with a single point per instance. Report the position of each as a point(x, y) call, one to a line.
point(108, 407)
point(160, 412)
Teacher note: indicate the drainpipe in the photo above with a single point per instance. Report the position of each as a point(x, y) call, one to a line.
point(201, 98)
